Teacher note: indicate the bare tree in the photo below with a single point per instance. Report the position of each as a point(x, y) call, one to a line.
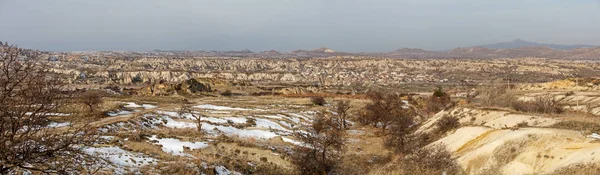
point(91, 99)
point(324, 144)
point(341, 108)
point(186, 109)
point(29, 95)
point(385, 110)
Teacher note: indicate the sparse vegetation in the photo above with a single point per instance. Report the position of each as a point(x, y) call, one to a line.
point(447, 123)
point(440, 100)
point(386, 110)
point(430, 160)
point(323, 151)
point(318, 100)
point(227, 93)
point(497, 96)
point(186, 109)
point(341, 108)
point(30, 97)
point(92, 99)
point(545, 104)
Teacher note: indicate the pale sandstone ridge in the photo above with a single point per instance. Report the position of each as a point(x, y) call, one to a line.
point(491, 143)
point(331, 71)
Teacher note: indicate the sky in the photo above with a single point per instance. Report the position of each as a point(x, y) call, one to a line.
point(286, 25)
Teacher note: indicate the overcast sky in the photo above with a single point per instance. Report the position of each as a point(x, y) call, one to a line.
point(285, 25)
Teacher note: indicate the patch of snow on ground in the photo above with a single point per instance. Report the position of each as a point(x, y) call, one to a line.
point(214, 120)
point(261, 134)
point(285, 139)
point(228, 130)
point(215, 107)
point(114, 114)
point(357, 132)
point(49, 114)
point(169, 113)
point(178, 124)
point(175, 146)
point(237, 120)
point(296, 117)
point(120, 158)
point(284, 123)
point(134, 105)
point(57, 125)
point(278, 116)
point(148, 106)
point(269, 124)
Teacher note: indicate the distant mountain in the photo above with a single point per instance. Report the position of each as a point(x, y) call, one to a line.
point(518, 43)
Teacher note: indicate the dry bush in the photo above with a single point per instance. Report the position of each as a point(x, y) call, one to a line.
point(363, 163)
point(178, 167)
point(569, 93)
point(430, 160)
point(183, 132)
point(318, 100)
point(323, 150)
point(272, 169)
point(504, 155)
point(406, 142)
point(91, 99)
point(447, 123)
point(386, 110)
point(522, 124)
point(439, 101)
point(578, 169)
point(497, 97)
point(227, 93)
point(341, 108)
point(186, 109)
point(29, 96)
point(545, 104)
point(586, 127)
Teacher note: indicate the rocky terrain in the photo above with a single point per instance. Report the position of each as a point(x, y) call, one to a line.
point(167, 113)
point(342, 71)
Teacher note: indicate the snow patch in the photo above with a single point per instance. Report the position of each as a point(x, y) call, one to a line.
point(58, 125)
point(175, 146)
point(120, 158)
point(134, 105)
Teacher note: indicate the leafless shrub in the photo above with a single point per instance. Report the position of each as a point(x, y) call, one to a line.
point(569, 93)
point(227, 93)
point(497, 96)
point(440, 100)
point(272, 169)
point(522, 124)
point(386, 110)
point(341, 108)
point(318, 100)
point(447, 123)
point(586, 127)
point(29, 95)
point(186, 109)
point(91, 99)
point(545, 104)
point(322, 151)
point(578, 169)
point(431, 160)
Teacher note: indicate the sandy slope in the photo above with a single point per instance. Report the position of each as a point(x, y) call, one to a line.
point(490, 144)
